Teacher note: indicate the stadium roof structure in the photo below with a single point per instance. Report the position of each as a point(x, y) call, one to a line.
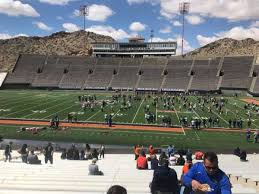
point(136, 47)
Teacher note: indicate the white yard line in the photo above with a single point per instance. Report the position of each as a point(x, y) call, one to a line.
point(31, 107)
point(44, 109)
point(59, 111)
point(93, 115)
point(116, 113)
point(179, 120)
point(137, 111)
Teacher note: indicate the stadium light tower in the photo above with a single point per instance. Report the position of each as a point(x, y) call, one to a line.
point(184, 9)
point(84, 11)
point(151, 35)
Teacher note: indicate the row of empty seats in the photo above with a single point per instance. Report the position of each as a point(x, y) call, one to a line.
point(166, 74)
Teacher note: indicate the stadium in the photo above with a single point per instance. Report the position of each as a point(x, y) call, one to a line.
point(124, 94)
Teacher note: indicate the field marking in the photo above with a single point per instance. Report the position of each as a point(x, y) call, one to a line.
point(116, 113)
point(45, 109)
point(179, 120)
point(137, 111)
point(13, 100)
point(92, 115)
point(59, 111)
point(26, 109)
point(252, 111)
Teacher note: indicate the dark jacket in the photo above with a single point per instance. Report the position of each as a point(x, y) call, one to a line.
point(164, 180)
point(154, 163)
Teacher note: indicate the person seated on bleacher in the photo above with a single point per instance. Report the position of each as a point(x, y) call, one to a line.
point(117, 189)
point(94, 169)
point(33, 159)
point(172, 160)
point(82, 155)
point(162, 157)
point(243, 156)
point(199, 155)
point(64, 154)
point(151, 150)
point(237, 152)
point(73, 153)
point(180, 161)
point(142, 161)
point(164, 180)
point(189, 155)
point(95, 154)
point(154, 162)
point(206, 177)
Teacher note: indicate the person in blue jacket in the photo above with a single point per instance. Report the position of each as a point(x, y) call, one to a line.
point(207, 177)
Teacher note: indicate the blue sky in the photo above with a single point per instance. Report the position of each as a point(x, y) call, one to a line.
point(207, 21)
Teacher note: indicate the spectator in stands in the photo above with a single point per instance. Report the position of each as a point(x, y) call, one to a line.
point(8, 151)
point(189, 155)
point(198, 155)
point(170, 150)
point(95, 154)
point(64, 154)
point(82, 155)
point(48, 152)
point(154, 162)
point(94, 169)
point(243, 156)
point(207, 177)
point(117, 189)
point(137, 151)
point(151, 150)
point(180, 161)
point(237, 152)
point(172, 160)
point(164, 180)
point(162, 157)
point(73, 153)
point(142, 161)
point(33, 159)
point(24, 152)
point(101, 151)
point(188, 164)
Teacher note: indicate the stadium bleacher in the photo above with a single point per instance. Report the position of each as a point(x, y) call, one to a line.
point(205, 75)
point(177, 78)
point(2, 78)
point(102, 73)
point(25, 69)
point(236, 72)
point(152, 69)
point(182, 74)
point(71, 176)
point(127, 77)
point(77, 72)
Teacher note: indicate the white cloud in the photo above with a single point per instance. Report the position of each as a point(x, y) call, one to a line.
point(96, 13)
point(177, 23)
point(152, 2)
point(57, 2)
point(17, 8)
point(137, 27)
point(203, 40)
point(59, 18)
point(186, 45)
point(117, 34)
point(238, 33)
point(194, 19)
point(42, 26)
point(166, 30)
point(232, 10)
point(99, 13)
point(69, 27)
point(4, 36)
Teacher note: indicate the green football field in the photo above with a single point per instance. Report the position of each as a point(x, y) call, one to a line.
point(42, 105)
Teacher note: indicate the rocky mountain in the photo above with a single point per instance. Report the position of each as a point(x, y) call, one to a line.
point(227, 46)
point(60, 43)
